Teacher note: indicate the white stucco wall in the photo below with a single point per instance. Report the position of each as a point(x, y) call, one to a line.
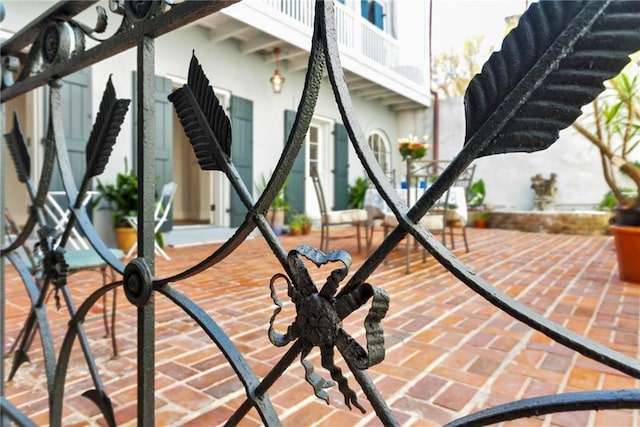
point(508, 177)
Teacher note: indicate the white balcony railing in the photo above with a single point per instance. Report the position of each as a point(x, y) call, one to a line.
point(354, 33)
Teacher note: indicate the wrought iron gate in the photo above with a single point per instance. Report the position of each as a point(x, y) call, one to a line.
point(551, 65)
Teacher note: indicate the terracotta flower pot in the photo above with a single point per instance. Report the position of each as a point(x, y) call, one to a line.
point(306, 229)
point(295, 232)
point(125, 238)
point(627, 240)
point(481, 223)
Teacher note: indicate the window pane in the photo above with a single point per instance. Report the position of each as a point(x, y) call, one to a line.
point(381, 150)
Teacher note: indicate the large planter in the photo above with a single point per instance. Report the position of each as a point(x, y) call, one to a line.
point(627, 240)
point(125, 238)
point(275, 217)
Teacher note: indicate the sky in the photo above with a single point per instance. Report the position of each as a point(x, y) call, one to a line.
point(455, 21)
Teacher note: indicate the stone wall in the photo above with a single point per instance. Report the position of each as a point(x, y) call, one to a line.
point(575, 222)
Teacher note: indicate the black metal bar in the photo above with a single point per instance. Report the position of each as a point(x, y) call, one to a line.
point(542, 405)
point(267, 382)
point(64, 166)
point(146, 197)
point(373, 394)
point(8, 412)
point(37, 316)
point(30, 33)
point(35, 215)
point(181, 14)
point(57, 397)
point(3, 418)
point(256, 398)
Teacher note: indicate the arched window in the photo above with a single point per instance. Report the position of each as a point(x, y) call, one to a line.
point(382, 151)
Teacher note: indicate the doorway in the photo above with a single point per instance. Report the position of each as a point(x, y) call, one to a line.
point(319, 154)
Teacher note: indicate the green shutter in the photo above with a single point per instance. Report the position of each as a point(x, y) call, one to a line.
point(294, 191)
point(241, 153)
point(77, 122)
point(340, 168)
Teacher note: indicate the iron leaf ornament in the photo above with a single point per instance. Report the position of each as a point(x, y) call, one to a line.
point(554, 62)
point(18, 150)
point(105, 130)
point(196, 95)
point(319, 317)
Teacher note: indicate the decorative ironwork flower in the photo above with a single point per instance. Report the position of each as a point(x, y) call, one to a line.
point(319, 316)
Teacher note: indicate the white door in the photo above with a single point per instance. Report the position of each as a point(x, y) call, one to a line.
point(319, 154)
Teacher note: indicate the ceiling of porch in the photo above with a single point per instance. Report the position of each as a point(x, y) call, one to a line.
point(294, 57)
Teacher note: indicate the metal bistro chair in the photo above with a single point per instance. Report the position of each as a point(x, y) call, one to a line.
point(79, 256)
point(456, 218)
point(452, 207)
point(160, 215)
point(419, 174)
point(329, 218)
point(58, 217)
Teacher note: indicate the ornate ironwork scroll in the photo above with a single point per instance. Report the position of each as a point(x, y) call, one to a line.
point(527, 92)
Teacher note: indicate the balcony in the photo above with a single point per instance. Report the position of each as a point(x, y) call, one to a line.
point(370, 57)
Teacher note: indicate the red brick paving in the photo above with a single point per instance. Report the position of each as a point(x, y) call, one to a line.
point(449, 352)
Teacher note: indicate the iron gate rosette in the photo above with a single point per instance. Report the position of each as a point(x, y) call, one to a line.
point(319, 316)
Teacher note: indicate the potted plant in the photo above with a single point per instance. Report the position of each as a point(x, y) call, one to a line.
point(480, 216)
point(278, 207)
point(122, 200)
point(307, 225)
point(295, 225)
point(300, 221)
point(478, 210)
point(614, 128)
point(411, 147)
point(357, 192)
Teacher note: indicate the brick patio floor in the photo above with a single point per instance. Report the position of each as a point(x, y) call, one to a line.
point(449, 352)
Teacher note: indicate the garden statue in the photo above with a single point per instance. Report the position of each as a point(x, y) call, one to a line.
point(545, 192)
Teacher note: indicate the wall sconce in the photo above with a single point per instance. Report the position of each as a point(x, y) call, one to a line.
point(277, 80)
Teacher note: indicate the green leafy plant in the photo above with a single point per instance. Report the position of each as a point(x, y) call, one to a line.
point(357, 192)
point(480, 212)
point(303, 218)
point(296, 224)
point(477, 193)
point(279, 202)
point(613, 126)
point(121, 196)
point(122, 199)
point(303, 221)
point(609, 201)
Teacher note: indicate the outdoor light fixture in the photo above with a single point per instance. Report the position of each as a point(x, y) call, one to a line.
point(277, 80)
